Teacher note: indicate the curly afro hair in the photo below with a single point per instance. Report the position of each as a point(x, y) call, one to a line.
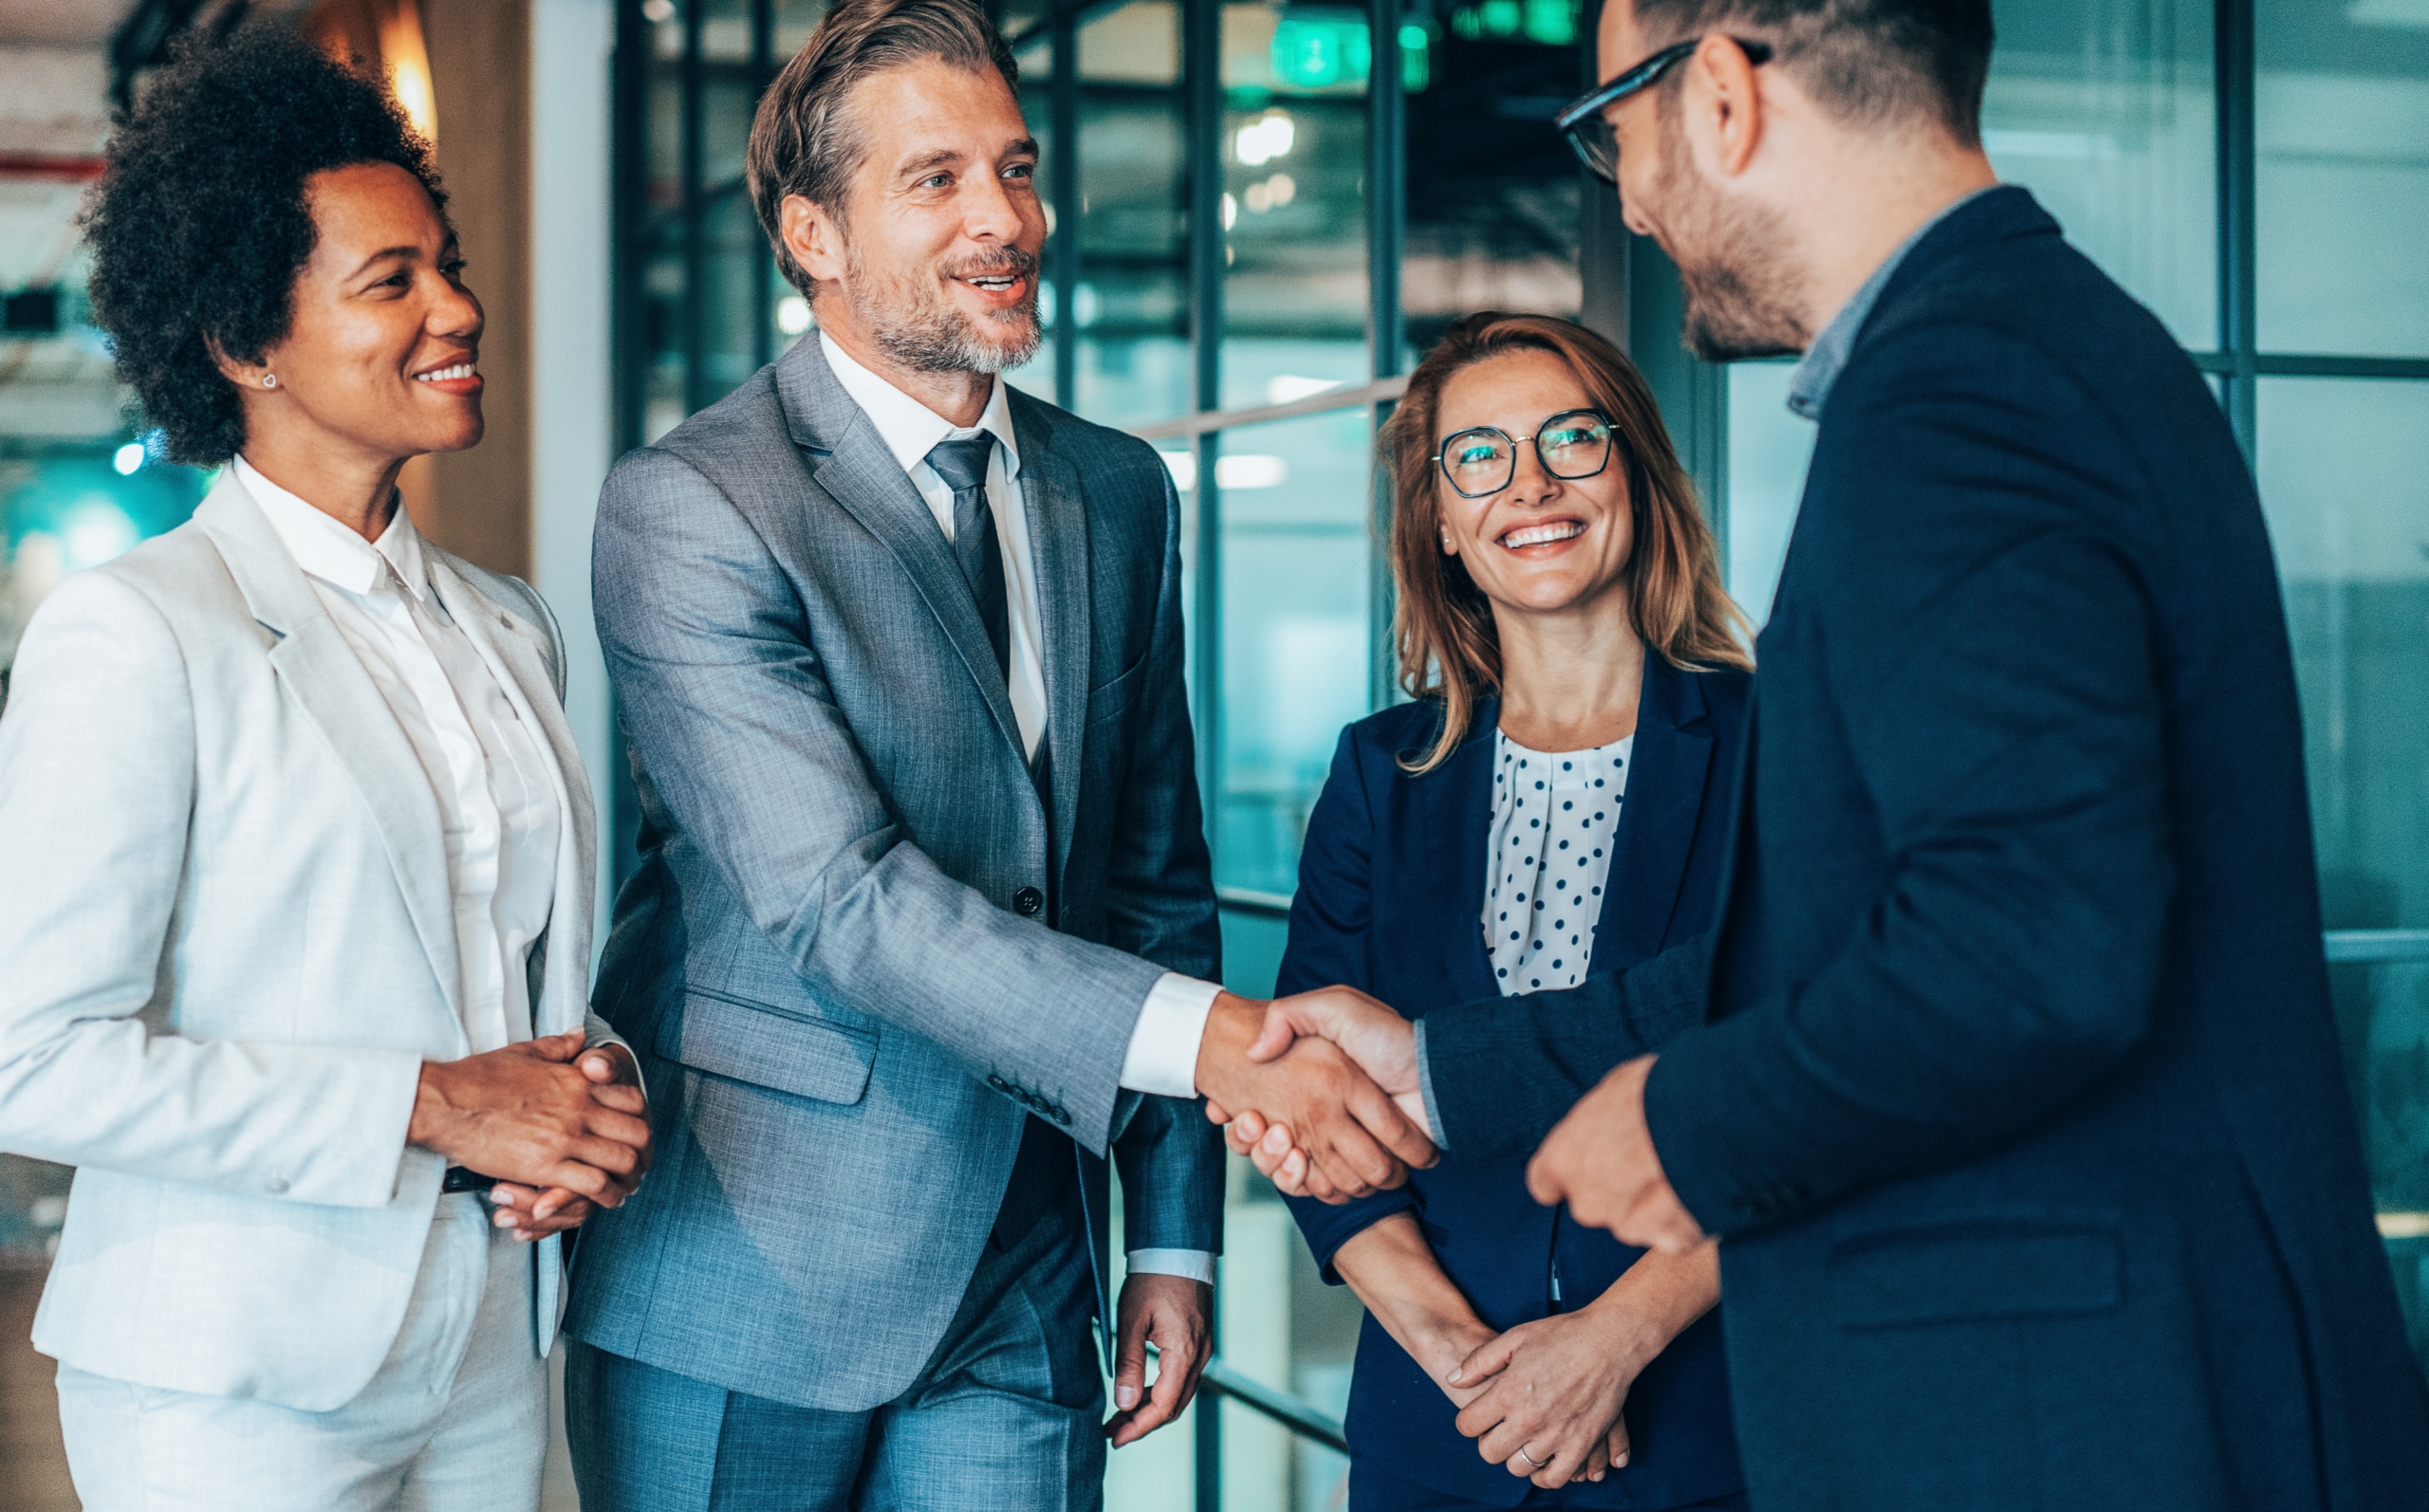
point(199, 227)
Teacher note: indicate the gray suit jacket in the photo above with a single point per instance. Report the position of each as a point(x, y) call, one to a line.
point(844, 1019)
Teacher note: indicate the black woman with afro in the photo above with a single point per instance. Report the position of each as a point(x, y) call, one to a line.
point(297, 955)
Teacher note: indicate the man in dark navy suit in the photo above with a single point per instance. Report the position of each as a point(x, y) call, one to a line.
point(2016, 1107)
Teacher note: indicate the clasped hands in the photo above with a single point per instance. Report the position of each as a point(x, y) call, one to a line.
point(1327, 1138)
point(565, 1129)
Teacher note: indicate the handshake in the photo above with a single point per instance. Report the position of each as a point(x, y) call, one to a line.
point(1321, 1092)
point(565, 1129)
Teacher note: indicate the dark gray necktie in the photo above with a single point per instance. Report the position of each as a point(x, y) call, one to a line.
point(963, 466)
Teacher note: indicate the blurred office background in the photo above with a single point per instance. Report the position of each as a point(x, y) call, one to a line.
point(1262, 212)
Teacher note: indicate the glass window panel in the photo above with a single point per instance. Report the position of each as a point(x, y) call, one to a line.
point(2345, 480)
point(795, 20)
point(1768, 449)
point(2344, 477)
point(1286, 1328)
point(2342, 118)
point(2105, 109)
point(729, 86)
point(1493, 194)
point(1295, 501)
point(662, 338)
point(663, 145)
point(737, 274)
point(2382, 1017)
point(1294, 208)
point(1130, 311)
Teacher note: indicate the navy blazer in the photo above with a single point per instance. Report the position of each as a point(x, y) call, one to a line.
point(1392, 886)
point(2022, 1113)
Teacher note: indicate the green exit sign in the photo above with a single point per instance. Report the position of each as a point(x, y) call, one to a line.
point(1313, 50)
point(1321, 50)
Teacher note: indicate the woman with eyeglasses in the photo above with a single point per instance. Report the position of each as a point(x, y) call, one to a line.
point(1553, 803)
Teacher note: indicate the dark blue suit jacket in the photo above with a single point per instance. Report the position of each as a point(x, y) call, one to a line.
point(1391, 896)
point(2022, 1111)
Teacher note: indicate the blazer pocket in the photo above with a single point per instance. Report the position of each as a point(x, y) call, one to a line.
point(1111, 698)
point(769, 1047)
point(1971, 1272)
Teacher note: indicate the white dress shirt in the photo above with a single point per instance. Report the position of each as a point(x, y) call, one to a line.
point(1162, 1055)
point(495, 802)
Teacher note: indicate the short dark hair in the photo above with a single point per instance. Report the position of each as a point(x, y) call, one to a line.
point(1869, 59)
point(802, 142)
point(200, 226)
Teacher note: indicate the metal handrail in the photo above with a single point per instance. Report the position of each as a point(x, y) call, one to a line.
point(1250, 901)
point(1296, 1413)
point(1382, 391)
point(2349, 946)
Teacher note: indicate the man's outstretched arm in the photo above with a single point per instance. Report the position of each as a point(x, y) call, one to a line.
point(1486, 1078)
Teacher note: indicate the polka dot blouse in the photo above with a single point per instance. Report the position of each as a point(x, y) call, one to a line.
point(1554, 819)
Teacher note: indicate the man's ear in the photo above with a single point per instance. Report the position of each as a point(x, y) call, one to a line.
point(1724, 105)
point(814, 237)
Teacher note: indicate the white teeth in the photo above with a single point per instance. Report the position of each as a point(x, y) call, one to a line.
point(461, 370)
point(1536, 535)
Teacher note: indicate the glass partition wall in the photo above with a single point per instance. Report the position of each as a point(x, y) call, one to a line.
point(1262, 212)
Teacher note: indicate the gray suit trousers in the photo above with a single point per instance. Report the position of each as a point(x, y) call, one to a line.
point(1003, 1416)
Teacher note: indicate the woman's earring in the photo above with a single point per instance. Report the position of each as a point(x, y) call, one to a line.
point(1446, 540)
point(269, 380)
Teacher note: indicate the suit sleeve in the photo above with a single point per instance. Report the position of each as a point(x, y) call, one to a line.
point(1500, 1073)
point(1160, 897)
point(1990, 649)
point(727, 705)
point(96, 788)
point(1330, 917)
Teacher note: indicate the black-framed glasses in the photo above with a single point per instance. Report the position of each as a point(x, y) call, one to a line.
point(1482, 459)
point(1596, 144)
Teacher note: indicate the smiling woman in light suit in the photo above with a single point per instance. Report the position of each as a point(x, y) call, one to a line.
point(296, 915)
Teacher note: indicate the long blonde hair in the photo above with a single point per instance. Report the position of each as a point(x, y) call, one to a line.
point(1449, 647)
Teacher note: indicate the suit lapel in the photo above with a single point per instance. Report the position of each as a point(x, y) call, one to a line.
point(1458, 825)
point(851, 462)
point(328, 683)
point(1058, 544)
point(1667, 780)
point(507, 647)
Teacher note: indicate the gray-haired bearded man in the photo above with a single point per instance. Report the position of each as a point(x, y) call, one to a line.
point(924, 925)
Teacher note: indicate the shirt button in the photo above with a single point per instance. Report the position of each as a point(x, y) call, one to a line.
point(1028, 901)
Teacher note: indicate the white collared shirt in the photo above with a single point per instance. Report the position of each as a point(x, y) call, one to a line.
point(497, 805)
point(1162, 1055)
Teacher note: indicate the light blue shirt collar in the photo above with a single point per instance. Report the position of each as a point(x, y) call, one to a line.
point(1810, 388)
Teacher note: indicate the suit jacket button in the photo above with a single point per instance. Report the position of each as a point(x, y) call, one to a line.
point(1059, 1114)
point(1028, 901)
point(998, 1082)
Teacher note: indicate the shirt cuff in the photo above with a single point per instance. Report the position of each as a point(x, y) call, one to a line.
point(1198, 1265)
point(1163, 1058)
point(1425, 1092)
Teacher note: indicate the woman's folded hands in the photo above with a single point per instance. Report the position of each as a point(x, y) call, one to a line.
point(1553, 1389)
point(1545, 1397)
point(564, 1128)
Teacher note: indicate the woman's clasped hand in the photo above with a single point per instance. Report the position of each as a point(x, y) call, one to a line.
point(563, 1129)
point(1544, 1399)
